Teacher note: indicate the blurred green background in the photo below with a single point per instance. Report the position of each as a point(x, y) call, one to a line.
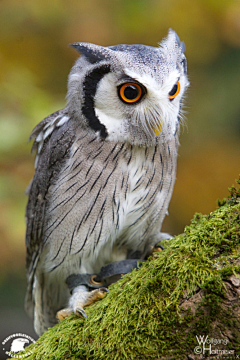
point(35, 61)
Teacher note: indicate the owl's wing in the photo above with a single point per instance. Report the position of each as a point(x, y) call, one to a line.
point(53, 139)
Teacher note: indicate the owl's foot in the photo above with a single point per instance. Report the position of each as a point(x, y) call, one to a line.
point(158, 247)
point(80, 298)
point(61, 314)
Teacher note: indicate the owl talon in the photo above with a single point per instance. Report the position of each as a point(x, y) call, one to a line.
point(82, 297)
point(62, 314)
point(80, 311)
point(102, 292)
point(158, 248)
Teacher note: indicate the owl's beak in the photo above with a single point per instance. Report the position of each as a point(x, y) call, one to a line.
point(157, 129)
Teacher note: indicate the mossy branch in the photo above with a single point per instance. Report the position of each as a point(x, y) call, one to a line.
point(190, 289)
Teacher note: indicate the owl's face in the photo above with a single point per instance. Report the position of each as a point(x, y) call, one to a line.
point(129, 93)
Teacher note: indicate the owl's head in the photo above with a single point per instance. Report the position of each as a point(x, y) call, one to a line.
point(129, 93)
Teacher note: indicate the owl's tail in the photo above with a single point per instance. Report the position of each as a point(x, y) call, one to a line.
point(43, 300)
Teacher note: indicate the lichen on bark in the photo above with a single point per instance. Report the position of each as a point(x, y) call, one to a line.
point(190, 289)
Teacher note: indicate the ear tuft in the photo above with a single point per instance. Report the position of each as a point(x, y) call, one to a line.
point(174, 39)
point(172, 42)
point(94, 53)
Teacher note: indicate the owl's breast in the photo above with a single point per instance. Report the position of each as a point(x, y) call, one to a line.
point(109, 198)
point(151, 176)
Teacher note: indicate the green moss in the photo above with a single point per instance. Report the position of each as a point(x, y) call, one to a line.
point(143, 317)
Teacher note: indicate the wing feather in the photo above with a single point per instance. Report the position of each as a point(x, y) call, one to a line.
point(52, 153)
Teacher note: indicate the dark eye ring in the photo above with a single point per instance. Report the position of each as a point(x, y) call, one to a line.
point(130, 92)
point(175, 91)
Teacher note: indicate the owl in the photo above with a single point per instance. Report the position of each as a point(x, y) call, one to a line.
point(105, 169)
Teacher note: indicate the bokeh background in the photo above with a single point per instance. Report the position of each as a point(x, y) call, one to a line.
point(34, 63)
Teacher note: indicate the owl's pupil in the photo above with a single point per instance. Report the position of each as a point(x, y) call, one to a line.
point(131, 92)
point(174, 90)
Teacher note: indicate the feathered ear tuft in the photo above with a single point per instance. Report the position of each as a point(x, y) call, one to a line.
point(172, 40)
point(173, 49)
point(94, 53)
point(177, 40)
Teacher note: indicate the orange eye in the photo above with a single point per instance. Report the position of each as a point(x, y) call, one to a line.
point(130, 93)
point(175, 91)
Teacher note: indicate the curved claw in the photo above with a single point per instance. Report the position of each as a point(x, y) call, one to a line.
point(80, 311)
point(104, 290)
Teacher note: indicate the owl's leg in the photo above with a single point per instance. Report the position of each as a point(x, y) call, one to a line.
point(80, 298)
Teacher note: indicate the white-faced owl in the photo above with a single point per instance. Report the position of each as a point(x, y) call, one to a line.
point(105, 169)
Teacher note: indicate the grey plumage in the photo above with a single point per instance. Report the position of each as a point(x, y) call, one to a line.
point(105, 169)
